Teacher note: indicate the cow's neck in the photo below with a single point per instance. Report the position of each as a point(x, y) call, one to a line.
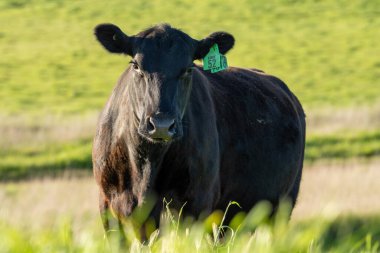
point(145, 159)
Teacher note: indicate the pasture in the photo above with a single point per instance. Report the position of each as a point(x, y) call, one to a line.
point(55, 78)
point(334, 218)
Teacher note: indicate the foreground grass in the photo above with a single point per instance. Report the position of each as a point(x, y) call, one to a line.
point(51, 63)
point(33, 217)
point(33, 160)
point(342, 234)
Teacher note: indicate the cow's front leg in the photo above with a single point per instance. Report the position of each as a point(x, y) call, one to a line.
point(204, 189)
point(113, 227)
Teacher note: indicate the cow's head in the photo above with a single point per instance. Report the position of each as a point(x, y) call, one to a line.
point(159, 77)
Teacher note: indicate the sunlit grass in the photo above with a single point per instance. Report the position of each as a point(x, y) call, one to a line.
point(51, 63)
point(44, 159)
point(342, 145)
point(254, 233)
point(33, 215)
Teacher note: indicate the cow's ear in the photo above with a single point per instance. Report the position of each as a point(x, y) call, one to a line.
point(224, 40)
point(113, 39)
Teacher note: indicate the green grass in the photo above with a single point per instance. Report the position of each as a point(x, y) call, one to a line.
point(31, 161)
point(341, 234)
point(342, 145)
point(51, 63)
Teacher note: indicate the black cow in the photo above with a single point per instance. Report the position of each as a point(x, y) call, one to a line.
point(192, 136)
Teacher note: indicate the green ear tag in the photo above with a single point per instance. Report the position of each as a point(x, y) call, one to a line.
point(214, 61)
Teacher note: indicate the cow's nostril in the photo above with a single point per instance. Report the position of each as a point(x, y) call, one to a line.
point(150, 125)
point(161, 127)
point(171, 129)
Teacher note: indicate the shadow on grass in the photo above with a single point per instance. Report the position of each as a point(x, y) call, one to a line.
point(75, 167)
point(45, 161)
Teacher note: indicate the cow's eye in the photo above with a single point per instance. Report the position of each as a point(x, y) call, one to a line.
point(187, 72)
point(136, 68)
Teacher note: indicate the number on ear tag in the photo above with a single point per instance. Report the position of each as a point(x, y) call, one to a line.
point(214, 61)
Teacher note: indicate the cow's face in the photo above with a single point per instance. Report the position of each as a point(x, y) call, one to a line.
point(159, 77)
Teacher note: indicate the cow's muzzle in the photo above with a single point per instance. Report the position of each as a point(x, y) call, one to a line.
point(161, 127)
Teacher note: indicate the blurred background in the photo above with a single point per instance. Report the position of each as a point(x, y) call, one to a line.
point(55, 78)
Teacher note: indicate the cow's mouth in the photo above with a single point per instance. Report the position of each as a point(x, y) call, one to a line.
point(160, 128)
point(161, 140)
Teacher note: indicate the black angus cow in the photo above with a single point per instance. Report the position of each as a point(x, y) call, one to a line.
point(193, 136)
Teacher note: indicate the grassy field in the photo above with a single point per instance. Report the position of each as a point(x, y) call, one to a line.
point(324, 50)
point(334, 218)
point(55, 78)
